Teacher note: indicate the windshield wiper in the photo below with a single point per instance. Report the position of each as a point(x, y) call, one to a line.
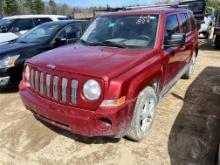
point(104, 43)
point(89, 43)
point(114, 44)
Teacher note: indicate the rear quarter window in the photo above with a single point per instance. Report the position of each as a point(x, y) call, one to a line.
point(63, 18)
point(185, 23)
point(38, 21)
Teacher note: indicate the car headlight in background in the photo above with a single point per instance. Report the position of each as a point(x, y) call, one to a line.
point(92, 90)
point(8, 61)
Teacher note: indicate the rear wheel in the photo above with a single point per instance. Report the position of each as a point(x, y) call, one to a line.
point(191, 67)
point(206, 35)
point(144, 114)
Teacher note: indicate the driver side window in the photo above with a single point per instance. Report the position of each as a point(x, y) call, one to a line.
point(172, 26)
point(70, 33)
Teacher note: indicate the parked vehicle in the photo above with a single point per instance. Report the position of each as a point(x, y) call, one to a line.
point(12, 27)
point(209, 22)
point(40, 39)
point(217, 29)
point(110, 83)
point(206, 27)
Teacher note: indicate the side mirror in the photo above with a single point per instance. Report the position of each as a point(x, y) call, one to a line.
point(176, 39)
point(60, 42)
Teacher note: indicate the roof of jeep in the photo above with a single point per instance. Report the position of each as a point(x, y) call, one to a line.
point(159, 10)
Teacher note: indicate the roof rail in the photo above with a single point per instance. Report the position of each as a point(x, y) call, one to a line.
point(152, 6)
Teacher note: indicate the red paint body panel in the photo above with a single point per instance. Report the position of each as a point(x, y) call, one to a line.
point(78, 120)
point(120, 72)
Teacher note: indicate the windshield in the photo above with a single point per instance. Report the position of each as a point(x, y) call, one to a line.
point(6, 22)
point(137, 31)
point(40, 34)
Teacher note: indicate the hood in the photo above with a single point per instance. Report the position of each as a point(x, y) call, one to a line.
point(104, 62)
point(14, 47)
point(6, 37)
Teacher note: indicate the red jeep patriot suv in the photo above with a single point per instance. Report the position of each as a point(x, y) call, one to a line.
point(109, 83)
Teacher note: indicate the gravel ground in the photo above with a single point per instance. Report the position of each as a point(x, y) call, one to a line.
point(185, 130)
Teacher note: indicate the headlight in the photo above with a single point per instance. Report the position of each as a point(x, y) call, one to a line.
point(92, 90)
point(8, 62)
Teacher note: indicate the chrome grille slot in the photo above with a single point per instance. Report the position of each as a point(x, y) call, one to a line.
point(42, 83)
point(74, 87)
point(48, 85)
point(64, 89)
point(55, 87)
point(32, 78)
point(36, 82)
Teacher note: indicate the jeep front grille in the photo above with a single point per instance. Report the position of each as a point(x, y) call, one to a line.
point(54, 87)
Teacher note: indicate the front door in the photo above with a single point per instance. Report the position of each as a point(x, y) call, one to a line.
point(172, 54)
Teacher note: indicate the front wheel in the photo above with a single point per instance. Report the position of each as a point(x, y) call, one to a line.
point(143, 115)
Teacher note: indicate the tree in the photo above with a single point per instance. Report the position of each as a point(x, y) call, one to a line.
point(53, 7)
point(1, 8)
point(213, 3)
point(11, 7)
point(38, 6)
point(29, 4)
point(64, 9)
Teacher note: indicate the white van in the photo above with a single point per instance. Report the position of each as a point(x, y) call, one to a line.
point(12, 27)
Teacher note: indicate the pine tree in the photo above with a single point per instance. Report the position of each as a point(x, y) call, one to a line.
point(11, 7)
point(29, 4)
point(38, 6)
point(1, 8)
point(53, 7)
point(64, 9)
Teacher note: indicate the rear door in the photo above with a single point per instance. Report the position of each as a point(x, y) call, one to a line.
point(173, 54)
point(190, 39)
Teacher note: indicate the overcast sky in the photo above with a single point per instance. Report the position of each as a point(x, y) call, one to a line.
point(112, 3)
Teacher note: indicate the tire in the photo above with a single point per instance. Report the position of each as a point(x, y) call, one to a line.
point(143, 115)
point(217, 42)
point(191, 67)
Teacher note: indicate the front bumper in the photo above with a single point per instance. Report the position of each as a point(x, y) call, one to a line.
point(112, 122)
point(4, 78)
point(10, 77)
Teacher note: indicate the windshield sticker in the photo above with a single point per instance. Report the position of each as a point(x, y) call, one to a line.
point(111, 24)
point(143, 20)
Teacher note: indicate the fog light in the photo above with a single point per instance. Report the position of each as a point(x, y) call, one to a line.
point(106, 122)
point(4, 81)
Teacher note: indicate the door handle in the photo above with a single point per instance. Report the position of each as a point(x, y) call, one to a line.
point(183, 47)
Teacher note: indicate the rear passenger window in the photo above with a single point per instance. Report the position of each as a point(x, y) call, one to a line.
point(38, 21)
point(184, 23)
point(172, 26)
